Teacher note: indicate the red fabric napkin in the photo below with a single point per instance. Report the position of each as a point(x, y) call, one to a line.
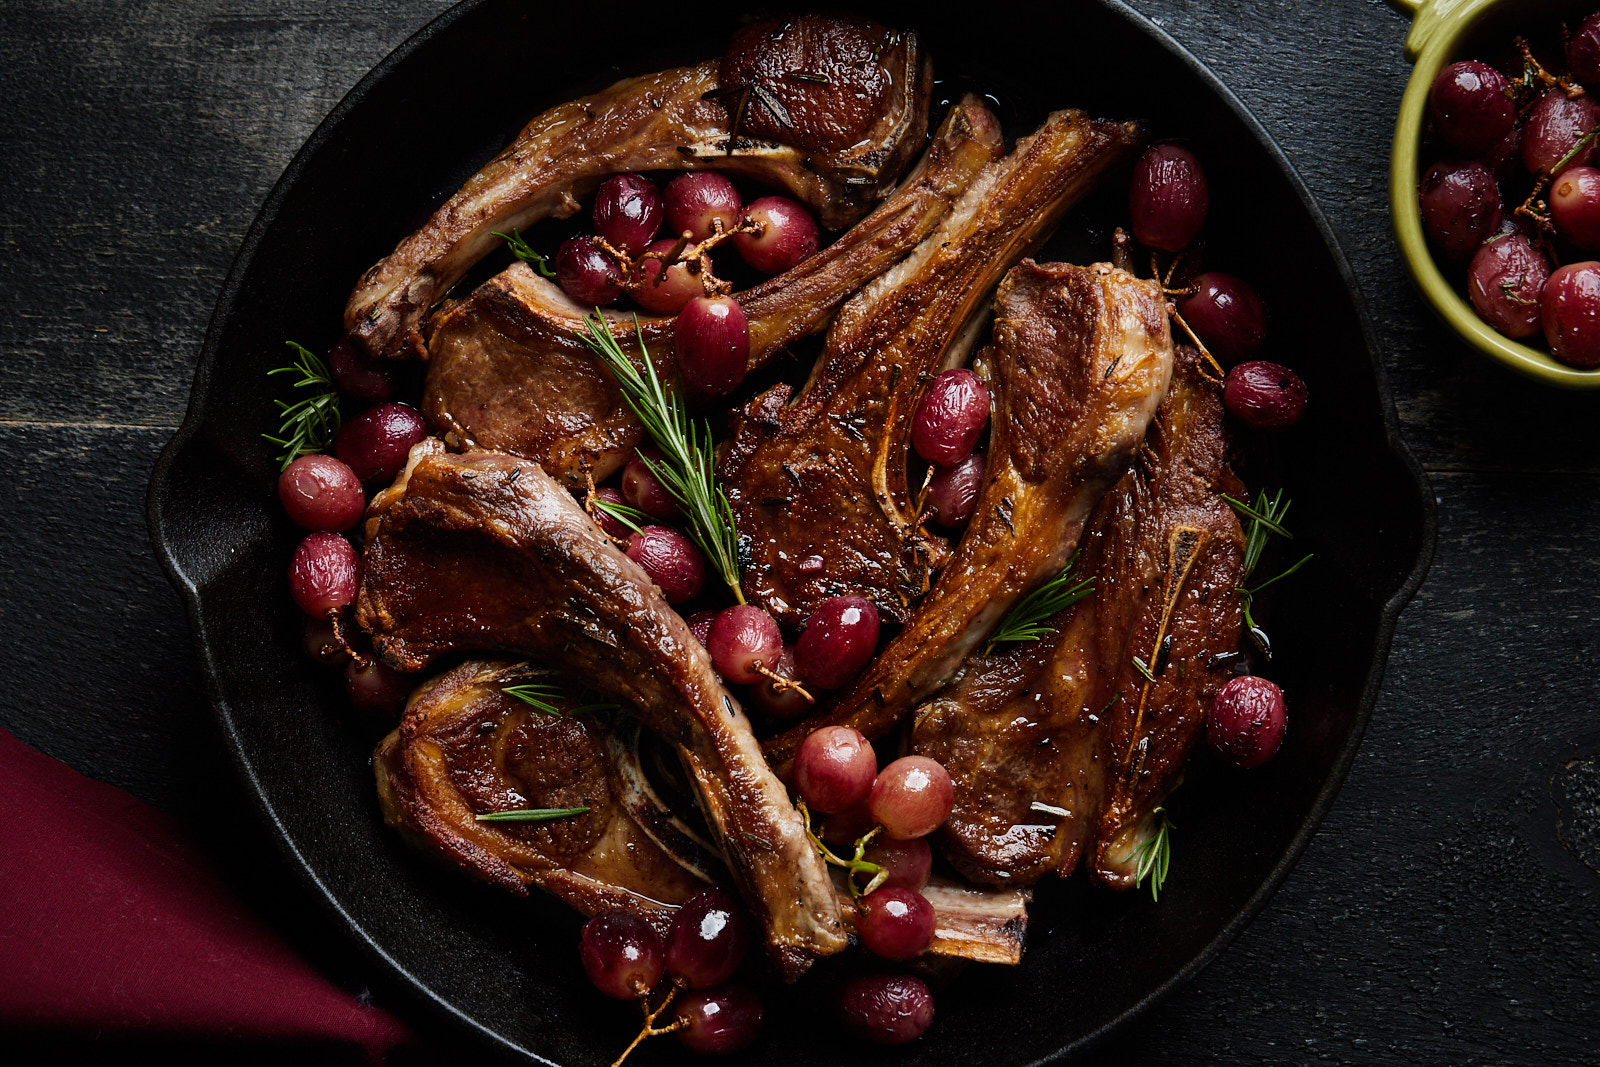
point(110, 922)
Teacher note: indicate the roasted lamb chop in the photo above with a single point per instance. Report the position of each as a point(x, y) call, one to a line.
point(837, 141)
point(1081, 358)
point(818, 486)
point(485, 551)
point(507, 371)
point(1063, 748)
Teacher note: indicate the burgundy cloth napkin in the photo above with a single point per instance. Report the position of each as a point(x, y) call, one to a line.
point(109, 922)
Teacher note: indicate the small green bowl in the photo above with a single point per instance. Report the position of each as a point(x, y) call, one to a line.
point(1442, 31)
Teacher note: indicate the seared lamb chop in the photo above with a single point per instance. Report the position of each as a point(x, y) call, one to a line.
point(1080, 359)
point(485, 551)
point(508, 373)
point(818, 487)
point(838, 145)
point(1069, 722)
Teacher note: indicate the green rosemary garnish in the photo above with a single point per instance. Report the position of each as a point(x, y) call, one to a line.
point(523, 251)
point(530, 814)
point(540, 695)
point(309, 423)
point(1266, 518)
point(1025, 622)
point(1143, 668)
point(1152, 858)
point(1577, 149)
point(875, 873)
point(687, 449)
point(630, 517)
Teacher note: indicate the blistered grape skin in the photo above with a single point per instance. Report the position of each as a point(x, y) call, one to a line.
point(1460, 205)
point(712, 341)
point(1575, 206)
point(1583, 51)
point(587, 273)
point(1227, 314)
point(376, 443)
point(321, 493)
point(1554, 128)
point(1168, 198)
point(839, 640)
point(324, 575)
point(953, 492)
point(907, 864)
point(622, 954)
point(789, 235)
point(895, 923)
point(627, 212)
point(887, 1009)
point(1247, 720)
point(357, 375)
point(375, 688)
point(742, 638)
point(708, 940)
point(669, 295)
point(1505, 282)
point(786, 703)
point(1470, 105)
point(911, 797)
point(695, 199)
point(1570, 308)
point(716, 1022)
point(834, 769)
point(643, 490)
point(670, 559)
point(951, 417)
point(700, 625)
point(1265, 396)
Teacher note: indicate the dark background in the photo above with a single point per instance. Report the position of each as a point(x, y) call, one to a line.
point(1445, 914)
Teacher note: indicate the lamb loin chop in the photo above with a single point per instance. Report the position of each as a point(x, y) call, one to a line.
point(1081, 358)
point(485, 551)
point(818, 486)
point(837, 140)
point(1070, 723)
point(507, 371)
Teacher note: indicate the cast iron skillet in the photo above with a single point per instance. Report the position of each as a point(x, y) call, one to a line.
point(405, 138)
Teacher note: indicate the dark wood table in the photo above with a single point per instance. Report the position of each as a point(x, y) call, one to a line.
point(1446, 914)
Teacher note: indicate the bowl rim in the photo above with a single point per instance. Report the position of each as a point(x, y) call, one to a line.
point(1405, 153)
point(416, 989)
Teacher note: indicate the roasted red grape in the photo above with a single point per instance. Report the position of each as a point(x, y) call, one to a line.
point(911, 797)
point(784, 703)
point(320, 641)
point(1168, 198)
point(1471, 106)
point(1570, 307)
point(789, 234)
point(1246, 723)
point(700, 625)
point(707, 941)
point(358, 376)
point(607, 522)
point(622, 954)
point(888, 1009)
point(324, 575)
point(1460, 207)
point(848, 827)
point(839, 640)
point(1504, 160)
point(1505, 281)
point(1555, 127)
point(693, 200)
point(907, 864)
point(951, 417)
point(627, 212)
point(712, 342)
point(375, 688)
point(834, 768)
point(743, 638)
point(1227, 315)
point(669, 295)
point(321, 493)
point(643, 490)
point(953, 491)
point(587, 273)
point(671, 560)
point(718, 1021)
point(1583, 51)
point(1575, 206)
point(895, 923)
point(376, 442)
point(1264, 395)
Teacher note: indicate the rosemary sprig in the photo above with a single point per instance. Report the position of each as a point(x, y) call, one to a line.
point(1154, 856)
point(687, 449)
point(630, 517)
point(1143, 668)
point(530, 814)
point(524, 251)
point(308, 424)
point(1026, 621)
point(1266, 518)
point(540, 695)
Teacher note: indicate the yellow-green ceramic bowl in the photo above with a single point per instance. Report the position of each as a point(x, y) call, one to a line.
point(1441, 32)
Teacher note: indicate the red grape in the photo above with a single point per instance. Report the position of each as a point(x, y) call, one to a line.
point(358, 376)
point(718, 1021)
point(907, 864)
point(376, 443)
point(321, 493)
point(643, 490)
point(1504, 160)
point(953, 491)
point(707, 941)
point(788, 236)
point(700, 625)
point(848, 827)
point(1264, 395)
point(712, 341)
point(375, 688)
point(951, 417)
point(834, 768)
point(1168, 198)
point(622, 954)
point(1460, 206)
point(1583, 51)
point(587, 273)
point(743, 638)
point(895, 923)
point(627, 212)
point(785, 703)
point(1555, 127)
point(1504, 282)
point(839, 640)
point(888, 1009)
point(325, 574)
point(1575, 206)
point(1570, 306)
point(671, 560)
point(1471, 106)
point(1227, 315)
point(1246, 723)
point(607, 522)
point(678, 288)
point(912, 797)
point(694, 199)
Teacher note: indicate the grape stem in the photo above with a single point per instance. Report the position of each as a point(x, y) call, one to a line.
point(1166, 290)
point(783, 685)
point(853, 866)
point(685, 251)
point(336, 620)
point(650, 1028)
